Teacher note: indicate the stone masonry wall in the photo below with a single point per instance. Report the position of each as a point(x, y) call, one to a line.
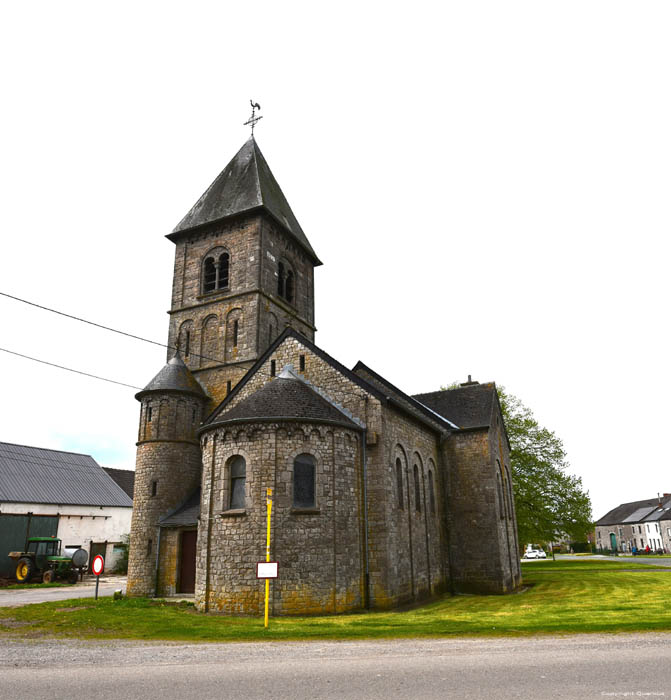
point(475, 545)
point(221, 333)
point(408, 548)
point(503, 520)
point(319, 550)
point(175, 467)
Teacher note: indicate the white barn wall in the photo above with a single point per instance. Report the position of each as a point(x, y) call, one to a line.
point(81, 525)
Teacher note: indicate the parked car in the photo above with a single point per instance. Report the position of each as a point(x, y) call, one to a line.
point(535, 553)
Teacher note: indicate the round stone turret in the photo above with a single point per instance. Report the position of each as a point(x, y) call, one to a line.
point(168, 464)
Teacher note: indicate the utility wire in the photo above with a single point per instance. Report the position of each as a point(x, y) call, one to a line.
point(76, 371)
point(106, 328)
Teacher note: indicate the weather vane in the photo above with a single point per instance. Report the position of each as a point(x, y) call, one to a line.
point(253, 119)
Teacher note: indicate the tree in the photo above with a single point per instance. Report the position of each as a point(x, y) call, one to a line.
point(550, 503)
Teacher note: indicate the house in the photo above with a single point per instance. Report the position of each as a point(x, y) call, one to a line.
point(379, 497)
point(70, 496)
point(638, 524)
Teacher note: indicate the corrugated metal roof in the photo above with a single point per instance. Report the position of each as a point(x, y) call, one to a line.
point(38, 475)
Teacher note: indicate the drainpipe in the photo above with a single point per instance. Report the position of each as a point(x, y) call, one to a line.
point(158, 551)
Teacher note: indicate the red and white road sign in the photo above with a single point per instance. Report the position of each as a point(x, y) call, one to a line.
point(98, 565)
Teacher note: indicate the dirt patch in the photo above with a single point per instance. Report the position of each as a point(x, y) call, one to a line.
point(12, 624)
point(79, 607)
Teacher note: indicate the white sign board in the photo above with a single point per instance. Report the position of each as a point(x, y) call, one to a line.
point(266, 569)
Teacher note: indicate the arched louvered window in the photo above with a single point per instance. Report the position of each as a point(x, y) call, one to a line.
point(216, 273)
point(286, 281)
point(209, 275)
point(399, 482)
point(238, 470)
point(418, 502)
point(222, 271)
point(304, 481)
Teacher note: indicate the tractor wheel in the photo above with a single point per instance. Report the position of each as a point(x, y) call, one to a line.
point(48, 576)
point(25, 570)
point(72, 576)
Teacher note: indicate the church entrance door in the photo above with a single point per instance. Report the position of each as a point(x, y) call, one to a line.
point(187, 562)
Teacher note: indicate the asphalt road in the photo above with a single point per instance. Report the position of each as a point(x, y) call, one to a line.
point(587, 666)
point(86, 589)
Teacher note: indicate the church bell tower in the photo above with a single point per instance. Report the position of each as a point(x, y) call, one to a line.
point(244, 271)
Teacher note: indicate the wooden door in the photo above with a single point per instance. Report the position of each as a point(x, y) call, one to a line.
point(187, 562)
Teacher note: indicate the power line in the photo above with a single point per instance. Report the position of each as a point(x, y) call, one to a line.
point(106, 328)
point(69, 369)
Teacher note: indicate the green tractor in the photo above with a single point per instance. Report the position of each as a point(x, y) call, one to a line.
point(43, 557)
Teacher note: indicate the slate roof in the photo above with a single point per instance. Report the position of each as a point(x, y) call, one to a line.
point(285, 397)
point(124, 478)
point(624, 510)
point(185, 514)
point(638, 515)
point(244, 185)
point(467, 406)
point(37, 475)
point(175, 376)
point(402, 400)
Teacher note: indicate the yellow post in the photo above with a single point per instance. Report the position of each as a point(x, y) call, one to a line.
point(269, 504)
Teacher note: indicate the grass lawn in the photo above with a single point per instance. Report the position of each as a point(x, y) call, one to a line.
point(562, 597)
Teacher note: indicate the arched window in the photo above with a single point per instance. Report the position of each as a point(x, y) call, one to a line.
point(216, 271)
point(235, 334)
point(509, 484)
point(399, 482)
point(500, 492)
point(304, 481)
point(185, 339)
point(222, 271)
point(432, 497)
point(209, 275)
point(280, 279)
point(289, 287)
point(286, 282)
point(418, 502)
point(238, 470)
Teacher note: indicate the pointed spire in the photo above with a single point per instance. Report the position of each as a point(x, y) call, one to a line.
point(244, 185)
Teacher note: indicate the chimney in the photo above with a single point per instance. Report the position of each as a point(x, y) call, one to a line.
point(470, 382)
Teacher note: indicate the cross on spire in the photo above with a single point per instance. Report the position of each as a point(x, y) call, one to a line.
point(253, 119)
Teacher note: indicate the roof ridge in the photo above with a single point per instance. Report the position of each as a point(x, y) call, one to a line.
point(49, 449)
point(320, 392)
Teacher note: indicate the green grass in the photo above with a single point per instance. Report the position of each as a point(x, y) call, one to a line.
point(562, 597)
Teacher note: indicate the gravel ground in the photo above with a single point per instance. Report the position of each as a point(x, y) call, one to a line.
point(60, 653)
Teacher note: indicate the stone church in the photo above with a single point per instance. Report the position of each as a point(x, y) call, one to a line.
point(379, 498)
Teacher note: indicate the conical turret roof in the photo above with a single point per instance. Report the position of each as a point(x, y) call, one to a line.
point(245, 184)
point(175, 376)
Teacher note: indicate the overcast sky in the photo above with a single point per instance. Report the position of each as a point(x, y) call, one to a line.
point(487, 185)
